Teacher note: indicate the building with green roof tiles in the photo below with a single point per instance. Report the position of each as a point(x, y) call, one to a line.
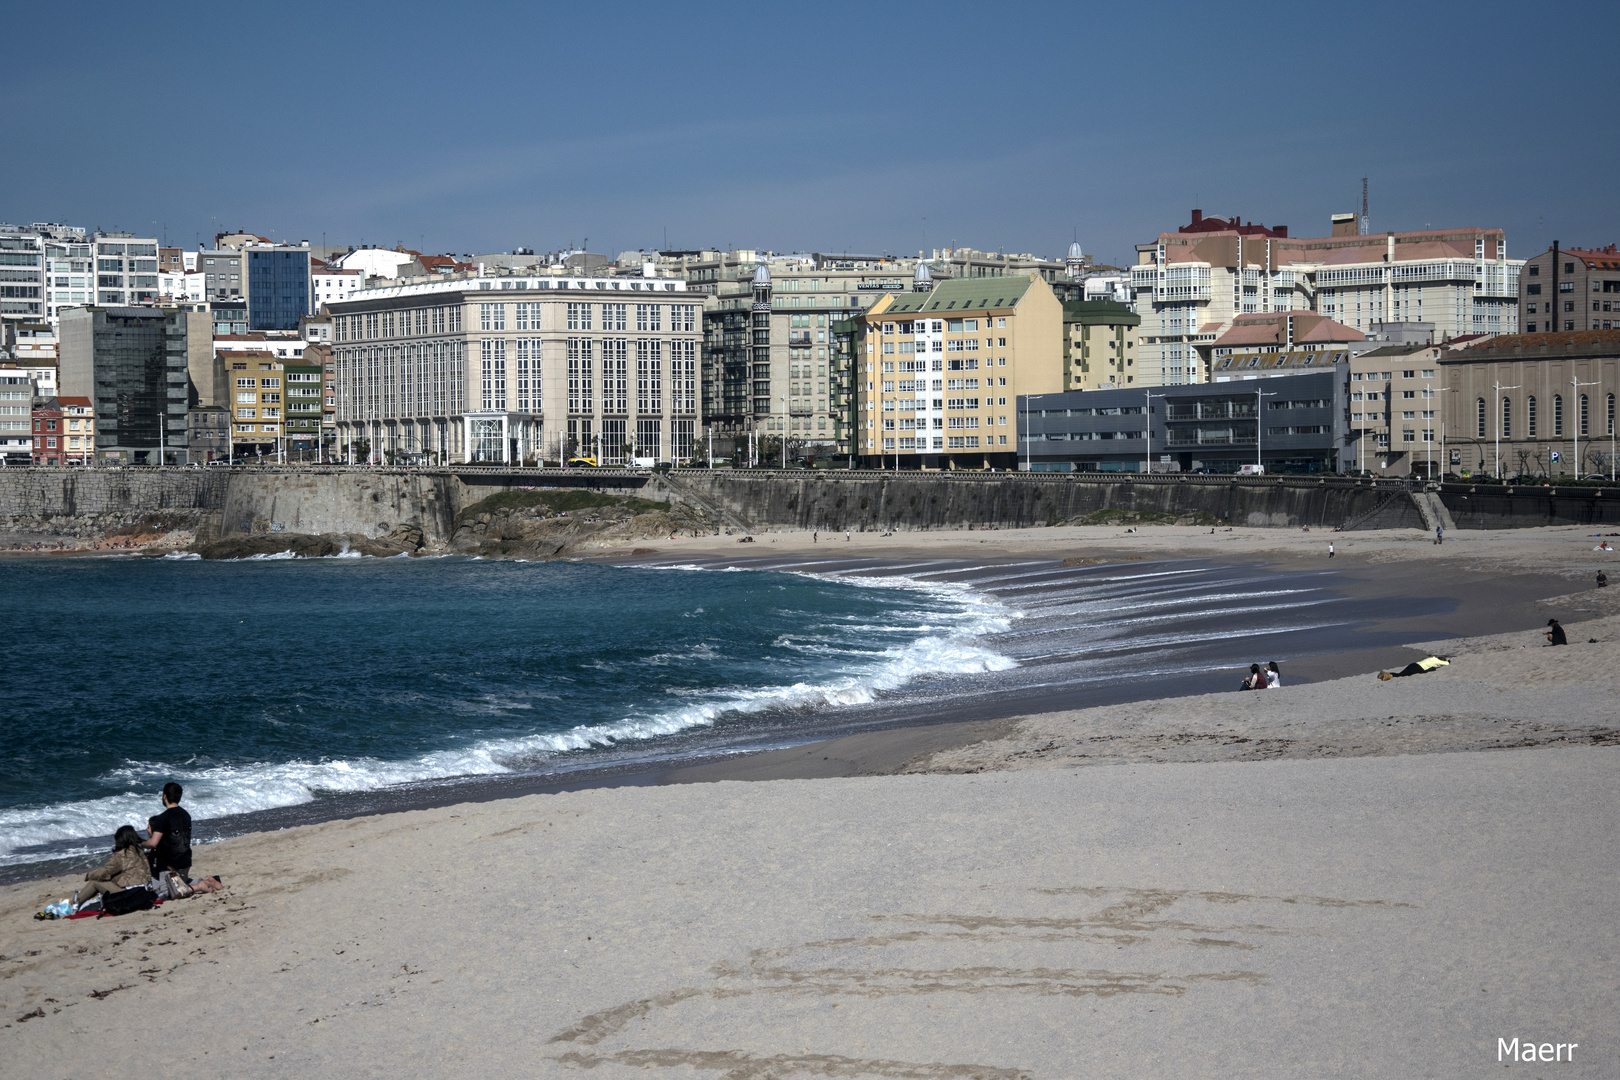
point(941, 371)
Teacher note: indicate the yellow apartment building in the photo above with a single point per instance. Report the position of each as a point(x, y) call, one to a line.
point(79, 425)
point(943, 369)
point(253, 379)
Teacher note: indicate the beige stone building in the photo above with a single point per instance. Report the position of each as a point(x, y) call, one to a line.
point(1397, 397)
point(519, 366)
point(942, 371)
point(1532, 405)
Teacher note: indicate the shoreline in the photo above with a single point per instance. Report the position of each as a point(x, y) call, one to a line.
point(1258, 880)
point(1482, 601)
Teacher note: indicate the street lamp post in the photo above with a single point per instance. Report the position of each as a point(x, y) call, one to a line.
point(1147, 432)
point(1575, 399)
point(1259, 423)
point(1499, 388)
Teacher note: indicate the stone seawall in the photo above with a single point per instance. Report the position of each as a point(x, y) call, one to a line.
point(342, 501)
point(375, 503)
point(1017, 500)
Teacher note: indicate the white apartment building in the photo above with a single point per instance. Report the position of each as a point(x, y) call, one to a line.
point(330, 284)
point(126, 269)
point(1191, 284)
point(43, 266)
point(519, 367)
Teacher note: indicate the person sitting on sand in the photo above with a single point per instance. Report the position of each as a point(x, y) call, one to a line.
point(1602, 580)
point(1273, 676)
point(1556, 635)
point(170, 835)
point(1256, 679)
point(125, 868)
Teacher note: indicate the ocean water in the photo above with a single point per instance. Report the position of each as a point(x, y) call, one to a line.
point(281, 690)
point(269, 683)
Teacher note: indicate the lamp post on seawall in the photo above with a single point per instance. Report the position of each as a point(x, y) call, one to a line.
point(784, 430)
point(1498, 387)
point(1259, 422)
point(1580, 415)
point(1147, 432)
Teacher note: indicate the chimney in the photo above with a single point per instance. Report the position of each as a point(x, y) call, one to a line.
point(1198, 215)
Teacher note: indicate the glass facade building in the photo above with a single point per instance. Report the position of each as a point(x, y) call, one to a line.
point(278, 287)
point(132, 363)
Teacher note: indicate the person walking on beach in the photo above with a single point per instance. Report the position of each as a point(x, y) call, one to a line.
point(1439, 534)
point(170, 835)
point(1273, 676)
point(1330, 549)
point(1556, 635)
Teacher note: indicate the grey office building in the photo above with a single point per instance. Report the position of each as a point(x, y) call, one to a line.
point(1200, 427)
point(134, 366)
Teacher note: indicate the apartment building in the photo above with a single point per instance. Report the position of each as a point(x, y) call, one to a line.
point(43, 266)
point(1251, 336)
point(302, 411)
point(49, 432)
point(1532, 405)
point(328, 284)
point(134, 364)
point(1570, 289)
point(257, 401)
point(1190, 285)
point(1396, 415)
point(465, 367)
point(16, 408)
point(223, 276)
point(1099, 344)
point(278, 286)
point(943, 369)
point(79, 431)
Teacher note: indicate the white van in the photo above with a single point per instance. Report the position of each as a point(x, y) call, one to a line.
point(1251, 470)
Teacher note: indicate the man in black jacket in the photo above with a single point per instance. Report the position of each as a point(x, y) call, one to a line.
point(170, 839)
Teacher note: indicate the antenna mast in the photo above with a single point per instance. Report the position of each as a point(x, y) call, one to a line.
point(1363, 206)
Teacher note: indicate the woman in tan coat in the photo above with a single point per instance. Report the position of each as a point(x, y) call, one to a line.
point(125, 868)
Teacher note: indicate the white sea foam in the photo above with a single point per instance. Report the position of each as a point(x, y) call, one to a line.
point(183, 556)
point(946, 643)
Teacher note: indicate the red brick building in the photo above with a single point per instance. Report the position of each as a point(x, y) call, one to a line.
point(48, 431)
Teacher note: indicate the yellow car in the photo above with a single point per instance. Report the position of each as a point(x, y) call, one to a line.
point(582, 463)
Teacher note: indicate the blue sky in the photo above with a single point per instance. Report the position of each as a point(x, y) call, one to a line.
point(827, 127)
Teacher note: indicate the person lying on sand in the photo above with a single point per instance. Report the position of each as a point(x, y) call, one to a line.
point(1416, 667)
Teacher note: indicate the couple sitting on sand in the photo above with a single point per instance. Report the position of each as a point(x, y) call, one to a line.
point(165, 871)
point(1268, 678)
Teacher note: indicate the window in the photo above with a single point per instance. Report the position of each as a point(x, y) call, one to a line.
point(1530, 416)
point(1558, 415)
point(521, 317)
point(648, 318)
point(614, 317)
point(579, 316)
point(1507, 418)
point(1585, 427)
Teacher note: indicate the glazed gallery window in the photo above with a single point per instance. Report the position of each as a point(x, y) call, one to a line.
point(491, 317)
point(614, 317)
point(579, 375)
point(579, 316)
point(648, 318)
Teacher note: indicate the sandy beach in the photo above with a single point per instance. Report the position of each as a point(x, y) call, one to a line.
point(1347, 878)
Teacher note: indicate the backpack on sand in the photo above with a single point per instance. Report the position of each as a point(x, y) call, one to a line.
point(123, 902)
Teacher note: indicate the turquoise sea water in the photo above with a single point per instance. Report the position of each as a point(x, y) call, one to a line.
point(268, 683)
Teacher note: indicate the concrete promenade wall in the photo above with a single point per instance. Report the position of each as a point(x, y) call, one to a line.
point(376, 502)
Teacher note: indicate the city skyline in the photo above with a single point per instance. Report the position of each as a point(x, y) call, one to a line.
point(904, 129)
